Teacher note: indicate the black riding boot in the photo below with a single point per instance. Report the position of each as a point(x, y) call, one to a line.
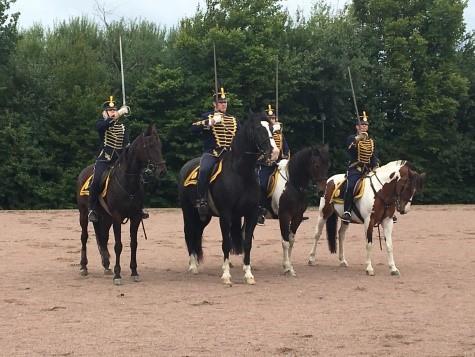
point(93, 198)
point(347, 202)
point(202, 203)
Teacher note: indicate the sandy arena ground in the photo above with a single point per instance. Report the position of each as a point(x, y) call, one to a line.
point(48, 309)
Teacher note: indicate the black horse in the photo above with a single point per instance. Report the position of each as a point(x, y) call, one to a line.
point(124, 199)
point(232, 195)
point(289, 201)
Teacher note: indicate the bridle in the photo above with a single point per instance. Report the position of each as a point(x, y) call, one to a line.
point(395, 198)
point(151, 166)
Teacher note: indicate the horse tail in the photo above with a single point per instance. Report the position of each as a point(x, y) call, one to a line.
point(237, 237)
point(331, 232)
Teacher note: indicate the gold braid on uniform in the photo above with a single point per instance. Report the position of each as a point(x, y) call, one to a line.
point(365, 150)
point(224, 132)
point(278, 139)
point(114, 136)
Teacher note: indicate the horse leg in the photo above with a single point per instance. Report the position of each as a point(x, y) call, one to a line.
point(118, 250)
point(225, 224)
point(368, 224)
point(84, 236)
point(341, 240)
point(284, 221)
point(134, 226)
point(318, 232)
point(250, 222)
point(388, 229)
point(193, 228)
point(102, 238)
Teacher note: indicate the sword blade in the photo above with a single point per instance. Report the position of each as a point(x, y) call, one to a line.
point(354, 97)
point(215, 72)
point(122, 71)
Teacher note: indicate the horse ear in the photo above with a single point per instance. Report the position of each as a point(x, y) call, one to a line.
point(150, 129)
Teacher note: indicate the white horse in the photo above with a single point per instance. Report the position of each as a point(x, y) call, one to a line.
point(388, 188)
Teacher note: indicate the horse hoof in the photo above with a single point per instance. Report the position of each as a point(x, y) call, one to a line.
point(250, 280)
point(311, 261)
point(231, 265)
point(370, 272)
point(290, 272)
point(83, 272)
point(118, 281)
point(344, 263)
point(136, 278)
point(193, 270)
point(227, 281)
point(395, 273)
point(107, 271)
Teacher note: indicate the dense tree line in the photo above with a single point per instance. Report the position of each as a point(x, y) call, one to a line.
point(413, 66)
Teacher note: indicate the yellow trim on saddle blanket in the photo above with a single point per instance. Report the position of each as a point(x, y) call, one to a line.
point(272, 182)
point(85, 187)
point(359, 191)
point(192, 178)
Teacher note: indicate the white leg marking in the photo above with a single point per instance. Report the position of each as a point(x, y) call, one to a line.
point(226, 277)
point(193, 264)
point(316, 237)
point(369, 266)
point(248, 277)
point(388, 228)
point(341, 239)
point(286, 264)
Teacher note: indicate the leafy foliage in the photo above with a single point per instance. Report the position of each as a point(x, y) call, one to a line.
point(412, 63)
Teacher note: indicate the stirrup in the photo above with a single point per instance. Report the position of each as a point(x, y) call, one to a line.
point(261, 219)
point(145, 214)
point(202, 206)
point(92, 216)
point(346, 218)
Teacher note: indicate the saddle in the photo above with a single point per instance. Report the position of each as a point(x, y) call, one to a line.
point(192, 178)
point(340, 188)
point(104, 184)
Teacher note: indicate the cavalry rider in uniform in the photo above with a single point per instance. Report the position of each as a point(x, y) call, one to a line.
point(361, 149)
point(266, 169)
point(217, 129)
point(114, 139)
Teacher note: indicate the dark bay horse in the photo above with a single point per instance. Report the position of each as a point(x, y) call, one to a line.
point(232, 195)
point(389, 188)
point(289, 201)
point(124, 199)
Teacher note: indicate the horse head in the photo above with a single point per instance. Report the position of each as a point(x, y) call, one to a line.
point(256, 139)
point(318, 166)
point(408, 183)
point(149, 151)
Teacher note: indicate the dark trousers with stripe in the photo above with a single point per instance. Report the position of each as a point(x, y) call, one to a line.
point(95, 187)
point(207, 163)
point(352, 177)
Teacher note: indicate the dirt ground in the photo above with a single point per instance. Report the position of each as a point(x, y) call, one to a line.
point(48, 309)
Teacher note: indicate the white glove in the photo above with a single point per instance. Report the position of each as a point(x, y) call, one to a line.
point(215, 119)
point(124, 110)
point(276, 127)
point(361, 136)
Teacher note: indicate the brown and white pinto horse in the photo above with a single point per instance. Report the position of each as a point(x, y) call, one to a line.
point(387, 189)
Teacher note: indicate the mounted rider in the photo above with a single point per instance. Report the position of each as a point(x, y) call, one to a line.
point(266, 168)
point(361, 149)
point(217, 130)
point(114, 138)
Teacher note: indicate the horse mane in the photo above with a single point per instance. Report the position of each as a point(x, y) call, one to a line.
point(296, 162)
point(245, 134)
